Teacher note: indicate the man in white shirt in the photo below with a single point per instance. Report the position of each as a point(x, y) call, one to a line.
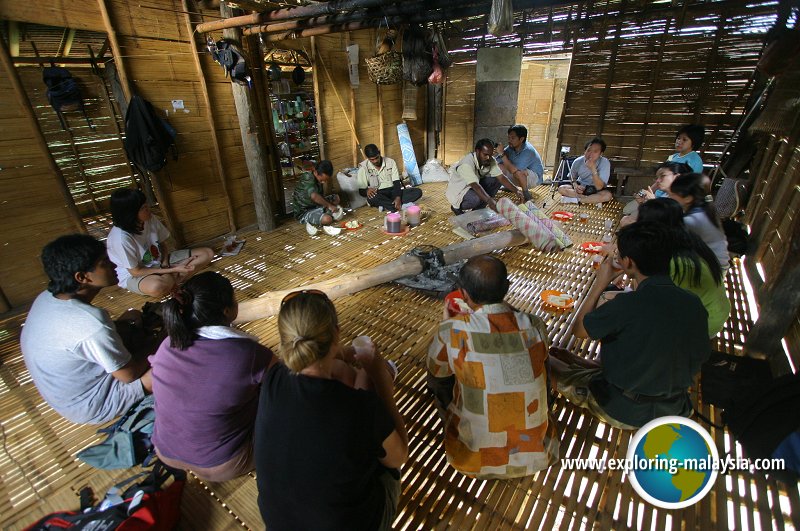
point(476, 179)
point(379, 181)
point(75, 355)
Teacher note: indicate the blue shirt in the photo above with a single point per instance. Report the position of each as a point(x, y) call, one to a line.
point(692, 159)
point(583, 174)
point(526, 158)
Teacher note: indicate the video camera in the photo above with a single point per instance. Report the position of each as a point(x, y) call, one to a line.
point(565, 151)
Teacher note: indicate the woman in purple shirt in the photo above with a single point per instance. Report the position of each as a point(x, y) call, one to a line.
point(206, 381)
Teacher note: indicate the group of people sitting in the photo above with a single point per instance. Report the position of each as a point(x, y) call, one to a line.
point(226, 405)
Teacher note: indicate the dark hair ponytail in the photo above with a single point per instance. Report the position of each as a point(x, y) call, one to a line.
point(688, 246)
point(691, 184)
point(200, 302)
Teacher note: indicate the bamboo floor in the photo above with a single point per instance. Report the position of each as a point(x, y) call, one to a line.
point(40, 474)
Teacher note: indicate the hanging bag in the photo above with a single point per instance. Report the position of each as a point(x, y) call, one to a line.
point(501, 18)
point(385, 67)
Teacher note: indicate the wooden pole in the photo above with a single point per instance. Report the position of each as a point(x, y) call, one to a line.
point(381, 124)
point(353, 108)
point(38, 137)
point(407, 265)
point(253, 140)
point(113, 115)
point(317, 100)
point(223, 178)
point(115, 50)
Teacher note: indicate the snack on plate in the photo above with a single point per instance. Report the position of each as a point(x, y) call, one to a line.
point(352, 224)
point(594, 248)
point(560, 301)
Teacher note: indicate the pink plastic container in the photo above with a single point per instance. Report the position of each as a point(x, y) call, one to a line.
point(412, 215)
point(393, 224)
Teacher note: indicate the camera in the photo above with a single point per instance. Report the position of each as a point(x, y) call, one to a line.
point(564, 151)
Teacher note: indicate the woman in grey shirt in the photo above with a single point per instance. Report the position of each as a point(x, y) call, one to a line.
point(699, 215)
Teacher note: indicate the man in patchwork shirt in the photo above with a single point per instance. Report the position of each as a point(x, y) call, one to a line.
point(379, 181)
point(487, 373)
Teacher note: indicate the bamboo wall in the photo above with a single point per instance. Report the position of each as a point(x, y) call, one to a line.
point(459, 114)
point(644, 78)
point(369, 117)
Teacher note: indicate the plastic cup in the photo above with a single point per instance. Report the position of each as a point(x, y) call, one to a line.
point(363, 345)
point(596, 261)
point(607, 224)
point(583, 217)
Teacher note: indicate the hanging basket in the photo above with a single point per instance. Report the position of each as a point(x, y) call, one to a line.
point(385, 68)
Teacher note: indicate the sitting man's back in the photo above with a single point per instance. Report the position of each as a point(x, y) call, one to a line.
point(497, 423)
point(72, 349)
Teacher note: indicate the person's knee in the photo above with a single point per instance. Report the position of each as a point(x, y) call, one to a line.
point(202, 255)
point(157, 285)
point(604, 195)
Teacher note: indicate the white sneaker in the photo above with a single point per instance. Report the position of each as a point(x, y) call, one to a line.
point(569, 200)
point(311, 229)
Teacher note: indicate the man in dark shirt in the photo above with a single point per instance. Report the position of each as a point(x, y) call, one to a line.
point(653, 340)
point(309, 203)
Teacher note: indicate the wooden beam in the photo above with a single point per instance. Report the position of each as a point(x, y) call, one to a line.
point(381, 124)
point(655, 77)
point(113, 114)
point(13, 38)
point(610, 77)
point(407, 265)
point(38, 136)
point(253, 141)
point(317, 100)
point(223, 178)
point(54, 60)
point(711, 64)
point(116, 50)
point(69, 41)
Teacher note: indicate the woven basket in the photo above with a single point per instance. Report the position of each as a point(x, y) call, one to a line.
point(385, 68)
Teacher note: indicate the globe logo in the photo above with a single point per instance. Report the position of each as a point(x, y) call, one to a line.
point(673, 462)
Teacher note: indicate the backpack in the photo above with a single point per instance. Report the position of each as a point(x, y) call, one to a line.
point(63, 93)
point(736, 235)
point(232, 62)
point(148, 137)
point(128, 442)
point(143, 505)
point(766, 419)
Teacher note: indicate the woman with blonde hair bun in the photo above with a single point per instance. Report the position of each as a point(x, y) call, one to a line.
point(329, 438)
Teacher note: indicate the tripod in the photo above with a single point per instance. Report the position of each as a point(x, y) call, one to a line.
point(558, 177)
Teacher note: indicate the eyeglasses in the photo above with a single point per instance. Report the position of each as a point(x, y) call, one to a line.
point(294, 294)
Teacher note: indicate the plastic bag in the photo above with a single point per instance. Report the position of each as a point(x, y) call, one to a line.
point(437, 76)
point(501, 18)
point(433, 171)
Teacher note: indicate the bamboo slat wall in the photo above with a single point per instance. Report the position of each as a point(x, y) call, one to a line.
point(33, 211)
point(97, 165)
point(366, 120)
point(644, 78)
point(459, 115)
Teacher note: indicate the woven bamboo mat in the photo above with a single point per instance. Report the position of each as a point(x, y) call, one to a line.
point(40, 474)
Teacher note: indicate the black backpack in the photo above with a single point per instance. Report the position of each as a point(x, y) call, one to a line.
point(148, 137)
point(63, 93)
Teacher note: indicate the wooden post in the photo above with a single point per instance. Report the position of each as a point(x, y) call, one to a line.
point(317, 101)
point(381, 125)
point(38, 136)
point(116, 50)
point(223, 179)
point(353, 109)
point(253, 141)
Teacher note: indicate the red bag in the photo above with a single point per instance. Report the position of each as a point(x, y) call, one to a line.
point(437, 76)
point(142, 506)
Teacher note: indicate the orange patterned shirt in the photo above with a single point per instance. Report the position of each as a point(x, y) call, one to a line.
point(497, 425)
